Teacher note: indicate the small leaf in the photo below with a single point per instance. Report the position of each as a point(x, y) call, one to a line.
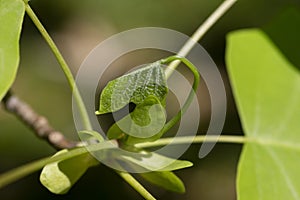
point(114, 132)
point(86, 135)
point(134, 87)
point(147, 119)
point(11, 18)
point(141, 159)
point(165, 179)
point(60, 176)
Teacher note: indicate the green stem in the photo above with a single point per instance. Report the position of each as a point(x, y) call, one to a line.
point(24, 170)
point(31, 167)
point(63, 64)
point(199, 33)
point(19, 173)
point(195, 139)
point(187, 103)
point(136, 185)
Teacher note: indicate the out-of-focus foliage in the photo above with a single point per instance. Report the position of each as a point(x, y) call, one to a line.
point(284, 31)
point(11, 18)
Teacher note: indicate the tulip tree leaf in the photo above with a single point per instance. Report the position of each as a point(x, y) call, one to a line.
point(60, 176)
point(134, 87)
point(164, 179)
point(267, 92)
point(11, 18)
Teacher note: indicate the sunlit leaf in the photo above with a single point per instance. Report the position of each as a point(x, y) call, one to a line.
point(60, 176)
point(134, 87)
point(11, 18)
point(267, 92)
point(165, 179)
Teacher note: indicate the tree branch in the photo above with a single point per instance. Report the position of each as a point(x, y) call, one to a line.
point(38, 123)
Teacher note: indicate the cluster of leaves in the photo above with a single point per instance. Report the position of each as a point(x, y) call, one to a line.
point(147, 89)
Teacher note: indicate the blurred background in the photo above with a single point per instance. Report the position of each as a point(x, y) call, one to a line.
point(77, 27)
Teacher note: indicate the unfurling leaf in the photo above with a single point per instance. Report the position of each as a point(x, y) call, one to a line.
point(134, 87)
point(164, 179)
point(11, 18)
point(60, 176)
point(147, 120)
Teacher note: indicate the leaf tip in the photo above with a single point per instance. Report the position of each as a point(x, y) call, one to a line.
point(98, 112)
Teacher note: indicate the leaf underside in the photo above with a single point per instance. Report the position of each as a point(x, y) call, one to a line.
point(147, 120)
point(59, 177)
point(267, 92)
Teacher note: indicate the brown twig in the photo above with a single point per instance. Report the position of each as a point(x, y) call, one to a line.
point(38, 123)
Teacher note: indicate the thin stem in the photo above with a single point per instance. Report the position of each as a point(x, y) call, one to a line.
point(195, 139)
point(63, 64)
point(87, 125)
point(136, 185)
point(24, 170)
point(200, 32)
point(192, 93)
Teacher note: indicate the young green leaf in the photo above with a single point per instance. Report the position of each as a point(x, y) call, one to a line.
point(165, 179)
point(141, 159)
point(134, 87)
point(116, 133)
point(60, 176)
point(87, 135)
point(267, 91)
point(11, 18)
point(147, 119)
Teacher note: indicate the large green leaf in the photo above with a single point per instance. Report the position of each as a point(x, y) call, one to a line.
point(267, 92)
point(134, 87)
point(11, 18)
